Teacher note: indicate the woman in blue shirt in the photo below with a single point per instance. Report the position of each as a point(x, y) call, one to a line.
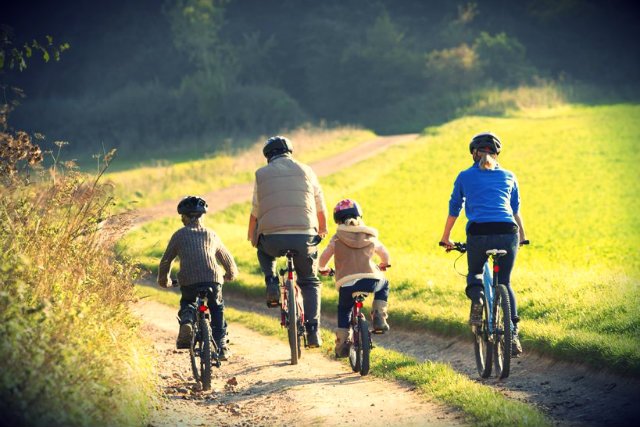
point(492, 204)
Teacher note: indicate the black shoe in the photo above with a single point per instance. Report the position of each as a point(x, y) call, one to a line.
point(475, 317)
point(184, 336)
point(273, 291)
point(313, 336)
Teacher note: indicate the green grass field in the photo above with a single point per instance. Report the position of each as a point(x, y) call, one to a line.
point(577, 284)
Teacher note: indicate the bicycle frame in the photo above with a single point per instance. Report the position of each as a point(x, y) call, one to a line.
point(289, 272)
point(292, 309)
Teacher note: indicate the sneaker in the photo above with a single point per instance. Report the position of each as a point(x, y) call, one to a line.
point(516, 347)
point(313, 336)
point(184, 336)
point(475, 317)
point(273, 292)
point(224, 352)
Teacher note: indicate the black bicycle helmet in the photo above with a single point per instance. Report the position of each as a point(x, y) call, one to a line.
point(277, 145)
point(192, 206)
point(485, 140)
point(345, 209)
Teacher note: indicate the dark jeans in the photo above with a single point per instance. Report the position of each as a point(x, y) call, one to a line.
point(187, 313)
point(477, 246)
point(306, 264)
point(380, 288)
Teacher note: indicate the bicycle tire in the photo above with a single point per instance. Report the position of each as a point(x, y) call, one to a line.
point(292, 324)
point(482, 346)
point(503, 338)
point(205, 354)
point(365, 346)
point(354, 349)
point(193, 350)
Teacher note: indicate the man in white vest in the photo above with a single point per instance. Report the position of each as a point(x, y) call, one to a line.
point(289, 213)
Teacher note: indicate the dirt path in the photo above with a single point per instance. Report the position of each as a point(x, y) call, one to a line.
point(569, 394)
point(259, 387)
point(242, 192)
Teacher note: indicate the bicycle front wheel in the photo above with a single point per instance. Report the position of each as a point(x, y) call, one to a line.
point(292, 323)
point(482, 347)
point(205, 353)
point(503, 338)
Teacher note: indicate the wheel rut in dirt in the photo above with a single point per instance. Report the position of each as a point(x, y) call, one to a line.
point(569, 394)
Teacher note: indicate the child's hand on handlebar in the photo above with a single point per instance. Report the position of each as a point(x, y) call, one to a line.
point(326, 271)
point(383, 267)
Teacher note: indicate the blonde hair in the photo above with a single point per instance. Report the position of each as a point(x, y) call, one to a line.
point(487, 161)
point(353, 221)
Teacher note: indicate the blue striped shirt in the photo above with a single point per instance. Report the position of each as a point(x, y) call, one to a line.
point(487, 195)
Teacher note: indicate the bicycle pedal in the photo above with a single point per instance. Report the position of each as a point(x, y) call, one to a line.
point(377, 331)
point(272, 304)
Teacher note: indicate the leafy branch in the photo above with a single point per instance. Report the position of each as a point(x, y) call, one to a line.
point(15, 55)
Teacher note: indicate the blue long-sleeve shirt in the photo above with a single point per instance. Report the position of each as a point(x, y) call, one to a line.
point(487, 195)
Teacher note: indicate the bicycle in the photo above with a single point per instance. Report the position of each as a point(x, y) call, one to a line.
point(493, 338)
point(361, 344)
point(292, 308)
point(203, 347)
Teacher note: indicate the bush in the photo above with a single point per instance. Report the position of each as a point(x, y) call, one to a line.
point(70, 351)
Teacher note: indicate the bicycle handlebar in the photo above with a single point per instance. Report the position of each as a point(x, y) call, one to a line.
point(462, 247)
point(457, 246)
point(331, 272)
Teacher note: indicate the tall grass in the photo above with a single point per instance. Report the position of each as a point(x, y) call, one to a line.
point(150, 185)
point(577, 284)
point(70, 350)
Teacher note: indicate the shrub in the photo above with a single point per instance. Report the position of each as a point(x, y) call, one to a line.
point(70, 352)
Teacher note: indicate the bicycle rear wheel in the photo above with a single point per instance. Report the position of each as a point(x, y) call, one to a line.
point(292, 323)
point(502, 342)
point(194, 351)
point(482, 348)
point(205, 353)
point(355, 353)
point(365, 346)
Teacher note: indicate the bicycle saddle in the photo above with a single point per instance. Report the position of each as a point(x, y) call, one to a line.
point(357, 294)
point(283, 252)
point(496, 252)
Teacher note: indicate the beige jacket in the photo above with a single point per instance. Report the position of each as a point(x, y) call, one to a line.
point(287, 198)
point(353, 248)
